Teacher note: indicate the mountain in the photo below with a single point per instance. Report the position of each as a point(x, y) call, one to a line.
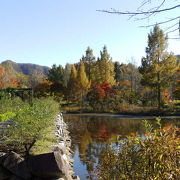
point(26, 68)
point(178, 56)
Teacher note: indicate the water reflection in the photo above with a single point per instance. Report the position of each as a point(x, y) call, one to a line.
point(92, 134)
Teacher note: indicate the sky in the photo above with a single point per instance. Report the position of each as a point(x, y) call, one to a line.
point(48, 32)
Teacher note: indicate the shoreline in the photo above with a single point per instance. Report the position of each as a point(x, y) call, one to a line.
point(121, 116)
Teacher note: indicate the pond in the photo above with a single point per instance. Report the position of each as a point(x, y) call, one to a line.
point(91, 134)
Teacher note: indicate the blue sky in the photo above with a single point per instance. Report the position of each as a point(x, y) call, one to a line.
point(59, 31)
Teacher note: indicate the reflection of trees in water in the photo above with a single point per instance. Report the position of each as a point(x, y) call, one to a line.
point(94, 134)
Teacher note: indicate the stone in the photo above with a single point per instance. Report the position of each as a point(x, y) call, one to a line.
point(4, 174)
point(49, 165)
point(11, 159)
point(16, 165)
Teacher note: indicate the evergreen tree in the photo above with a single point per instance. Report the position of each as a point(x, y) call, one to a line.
point(56, 74)
point(158, 67)
point(67, 72)
point(117, 71)
point(88, 61)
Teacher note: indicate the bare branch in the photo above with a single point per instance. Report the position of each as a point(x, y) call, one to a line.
point(172, 31)
point(170, 27)
point(163, 22)
point(139, 13)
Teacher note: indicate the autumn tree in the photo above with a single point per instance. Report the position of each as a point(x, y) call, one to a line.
point(177, 85)
point(158, 67)
point(82, 81)
point(104, 69)
point(102, 97)
point(2, 74)
point(72, 84)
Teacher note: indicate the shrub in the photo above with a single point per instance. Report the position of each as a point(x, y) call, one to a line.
point(31, 124)
point(153, 156)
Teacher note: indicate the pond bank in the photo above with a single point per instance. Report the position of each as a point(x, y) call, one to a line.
point(57, 164)
point(121, 116)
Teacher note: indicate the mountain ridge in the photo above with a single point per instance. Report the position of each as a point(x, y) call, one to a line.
point(27, 68)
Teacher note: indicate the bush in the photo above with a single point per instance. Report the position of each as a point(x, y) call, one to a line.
point(154, 156)
point(31, 124)
point(7, 116)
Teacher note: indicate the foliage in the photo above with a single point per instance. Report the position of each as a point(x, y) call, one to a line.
point(56, 74)
point(72, 84)
point(88, 60)
point(158, 68)
point(43, 89)
point(7, 116)
point(177, 85)
point(30, 124)
point(102, 97)
point(153, 156)
point(104, 69)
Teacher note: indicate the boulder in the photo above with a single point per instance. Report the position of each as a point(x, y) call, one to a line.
point(49, 165)
point(11, 159)
point(16, 165)
point(4, 174)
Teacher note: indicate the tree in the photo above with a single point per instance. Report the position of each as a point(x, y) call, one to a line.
point(72, 84)
point(104, 69)
point(56, 74)
point(158, 67)
point(177, 85)
point(9, 75)
point(88, 60)
point(67, 72)
point(2, 74)
point(148, 9)
point(83, 83)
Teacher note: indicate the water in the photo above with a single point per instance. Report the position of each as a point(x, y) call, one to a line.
point(91, 134)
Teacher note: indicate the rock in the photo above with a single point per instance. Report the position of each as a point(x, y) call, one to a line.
point(4, 174)
point(49, 165)
point(11, 160)
point(16, 165)
point(14, 177)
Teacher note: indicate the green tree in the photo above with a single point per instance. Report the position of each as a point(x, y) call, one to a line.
point(56, 74)
point(88, 61)
point(67, 72)
point(158, 67)
point(104, 69)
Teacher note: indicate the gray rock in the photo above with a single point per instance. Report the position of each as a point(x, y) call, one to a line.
point(16, 165)
point(10, 160)
point(49, 165)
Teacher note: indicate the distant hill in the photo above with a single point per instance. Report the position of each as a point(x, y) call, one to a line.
point(178, 56)
point(27, 68)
